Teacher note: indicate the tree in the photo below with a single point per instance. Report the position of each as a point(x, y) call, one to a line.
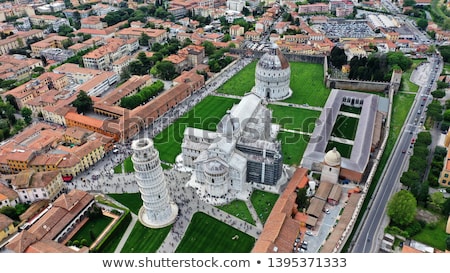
point(83, 102)
point(447, 243)
point(12, 100)
point(166, 70)
point(209, 47)
point(422, 23)
point(438, 94)
point(143, 40)
point(10, 212)
point(409, 177)
point(26, 114)
point(402, 208)
point(338, 57)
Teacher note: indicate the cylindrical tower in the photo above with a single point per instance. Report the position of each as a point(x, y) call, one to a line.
point(272, 76)
point(157, 210)
point(216, 178)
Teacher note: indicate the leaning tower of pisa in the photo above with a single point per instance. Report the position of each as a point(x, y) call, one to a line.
point(157, 210)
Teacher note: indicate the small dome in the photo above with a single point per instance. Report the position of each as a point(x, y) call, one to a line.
point(333, 158)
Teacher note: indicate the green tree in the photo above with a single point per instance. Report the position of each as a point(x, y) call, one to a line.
point(26, 114)
point(10, 212)
point(209, 47)
point(166, 70)
point(422, 23)
point(338, 57)
point(409, 178)
point(83, 102)
point(12, 100)
point(438, 94)
point(143, 40)
point(447, 243)
point(402, 208)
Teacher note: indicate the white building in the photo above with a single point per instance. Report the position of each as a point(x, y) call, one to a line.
point(157, 210)
point(272, 77)
point(235, 5)
point(243, 151)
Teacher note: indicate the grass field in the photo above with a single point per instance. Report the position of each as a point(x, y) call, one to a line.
point(92, 229)
point(434, 235)
point(132, 201)
point(204, 115)
point(344, 149)
point(306, 83)
point(293, 146)
point(297, 119)
point(206, 234)
point(145, 240)
point(118, 168)
point(350, 109)
point(345, 127)
point(263, 203)
point(240, 83)
point(239, 209)
point(128, 165)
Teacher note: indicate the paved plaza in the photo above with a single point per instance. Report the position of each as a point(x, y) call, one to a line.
point(101, 179)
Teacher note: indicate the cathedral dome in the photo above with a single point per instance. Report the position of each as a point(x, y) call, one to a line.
point(333, 158)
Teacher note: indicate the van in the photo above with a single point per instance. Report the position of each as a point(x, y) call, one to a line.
point(418, 112)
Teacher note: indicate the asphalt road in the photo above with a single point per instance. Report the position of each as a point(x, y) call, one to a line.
point(370, 234)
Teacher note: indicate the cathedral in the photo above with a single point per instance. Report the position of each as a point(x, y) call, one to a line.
point(244, 150)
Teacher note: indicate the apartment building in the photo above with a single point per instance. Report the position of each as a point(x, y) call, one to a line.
point(54, 41)
point(103, 57)
point(17, 67)
point(18, 40)
point(155, 35)
point(33, 186)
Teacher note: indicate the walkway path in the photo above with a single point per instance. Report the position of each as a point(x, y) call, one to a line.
point(127, 233)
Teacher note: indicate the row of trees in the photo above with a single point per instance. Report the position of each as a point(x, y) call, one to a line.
point(143, 96)
point(9, 124)
point(375, 67)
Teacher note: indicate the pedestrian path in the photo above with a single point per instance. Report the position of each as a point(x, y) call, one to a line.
point(127, 233)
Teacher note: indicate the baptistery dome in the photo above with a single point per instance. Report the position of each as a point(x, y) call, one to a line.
point(273, 75)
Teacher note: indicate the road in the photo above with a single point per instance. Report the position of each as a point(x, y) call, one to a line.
point(369, 237)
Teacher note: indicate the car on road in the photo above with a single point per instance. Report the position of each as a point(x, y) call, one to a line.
point(304, 245)
point(443, 190)
point(309, 233)
point(327, 211)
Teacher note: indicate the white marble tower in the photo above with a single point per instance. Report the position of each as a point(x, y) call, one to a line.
point(157, 210)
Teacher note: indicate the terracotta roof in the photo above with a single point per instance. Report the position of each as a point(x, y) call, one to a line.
point(5, 221)
point(34, 209)
point(64, 210)
point(8, 193)
point(22, 241)
point(96, 123)
point(324, 190)
point(49, 246)
point(315, 207)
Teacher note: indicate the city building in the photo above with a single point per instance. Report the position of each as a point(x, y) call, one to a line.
point(157, 210)
point(48, 233)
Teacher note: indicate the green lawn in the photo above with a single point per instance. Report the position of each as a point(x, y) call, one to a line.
point(263, 203)
point(239, 209)
point(132, 201)
point(118, 168)
point(344, 149)
point(206, 234)
point(292, 118)
point(350, 109)
point(92, 229)
point(345, 127)
point(145, 240)
point(293, 146)
point(306, 83)
point(240, 83)
point(434, 235)
point(409, 86)
point(128, 165)
point(204, 115)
